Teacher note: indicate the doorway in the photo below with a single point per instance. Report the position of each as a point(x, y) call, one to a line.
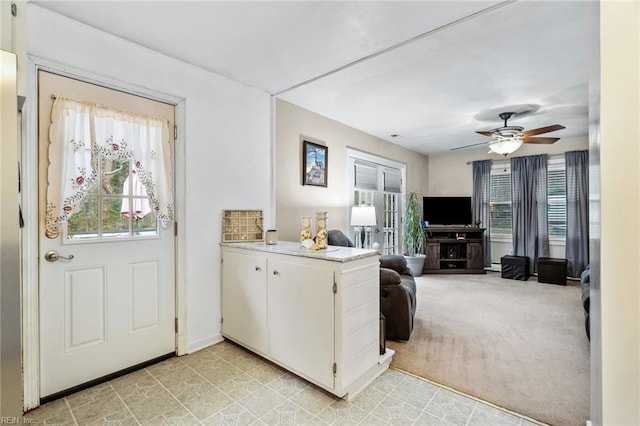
point(107, 280)
point(377, 182)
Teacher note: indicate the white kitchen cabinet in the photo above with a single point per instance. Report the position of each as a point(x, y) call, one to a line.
point(318, 312)
point(301, 318)
point(244, 289)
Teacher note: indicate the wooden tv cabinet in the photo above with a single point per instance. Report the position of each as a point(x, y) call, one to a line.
point(454, 250)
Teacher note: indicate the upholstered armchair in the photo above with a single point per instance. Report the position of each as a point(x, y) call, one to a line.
point(337, 238)
point(397, 296)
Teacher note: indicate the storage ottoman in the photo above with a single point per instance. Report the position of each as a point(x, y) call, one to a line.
point(515, 267)
point(552, 270)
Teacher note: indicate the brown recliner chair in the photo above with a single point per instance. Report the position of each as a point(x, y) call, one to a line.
point(397, 290)
point(335, 237)
point(397, 296)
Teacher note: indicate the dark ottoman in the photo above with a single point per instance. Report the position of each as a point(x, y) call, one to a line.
point(515, 267)
point(552, 270)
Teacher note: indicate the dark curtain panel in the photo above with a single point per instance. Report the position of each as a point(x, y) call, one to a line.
point(481, 185)
point(530, 226)
point(577, 167)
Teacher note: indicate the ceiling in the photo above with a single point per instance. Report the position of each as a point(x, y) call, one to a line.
point(432, 72)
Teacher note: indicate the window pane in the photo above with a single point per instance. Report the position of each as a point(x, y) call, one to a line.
point(392, 181)
point(391, 233)
point(83, 224)
point(114, 224)
point(500, 203)
point(366, 176)
point(501, 219)
point(363, 197)
point(557, 195)
point(114, 173)
point(146, 226)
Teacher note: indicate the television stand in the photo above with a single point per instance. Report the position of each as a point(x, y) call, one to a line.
point(454, 250)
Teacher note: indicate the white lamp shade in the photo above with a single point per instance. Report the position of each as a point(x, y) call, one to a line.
point(363, 216)
point(505, 146)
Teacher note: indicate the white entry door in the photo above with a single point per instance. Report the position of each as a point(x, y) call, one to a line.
point(107, 282)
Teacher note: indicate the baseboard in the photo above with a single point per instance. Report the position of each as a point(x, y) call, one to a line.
point(384, 361)
point(203, 343)
point(495, 267)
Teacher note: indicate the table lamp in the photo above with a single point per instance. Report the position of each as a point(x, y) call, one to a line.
point(363, 216)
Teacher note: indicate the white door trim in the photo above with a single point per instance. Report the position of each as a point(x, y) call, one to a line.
point(29, 196)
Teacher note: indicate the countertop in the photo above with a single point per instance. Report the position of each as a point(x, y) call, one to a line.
point(332, 253)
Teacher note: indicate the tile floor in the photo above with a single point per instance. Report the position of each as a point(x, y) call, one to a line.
point(227, 385)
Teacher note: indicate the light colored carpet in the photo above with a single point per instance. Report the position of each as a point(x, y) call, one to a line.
point(520, 345)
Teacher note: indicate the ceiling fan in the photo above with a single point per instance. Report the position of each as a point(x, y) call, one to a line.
point(507, 139)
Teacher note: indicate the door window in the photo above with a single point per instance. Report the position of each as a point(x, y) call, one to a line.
point(116, 206)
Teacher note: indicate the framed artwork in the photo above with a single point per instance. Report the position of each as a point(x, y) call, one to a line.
point(314, 164)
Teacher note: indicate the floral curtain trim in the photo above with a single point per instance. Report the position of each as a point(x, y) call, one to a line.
point(81, 133)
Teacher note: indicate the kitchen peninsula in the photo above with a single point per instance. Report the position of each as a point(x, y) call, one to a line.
point(315, 313)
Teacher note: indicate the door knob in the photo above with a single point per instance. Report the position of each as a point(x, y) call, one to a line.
point(52, 256)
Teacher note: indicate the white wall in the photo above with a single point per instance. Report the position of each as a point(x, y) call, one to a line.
point(620, 210)
point(293, 200)
point(227, 147)
point(452, 175)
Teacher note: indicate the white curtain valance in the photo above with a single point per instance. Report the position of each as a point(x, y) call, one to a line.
point(81, 133)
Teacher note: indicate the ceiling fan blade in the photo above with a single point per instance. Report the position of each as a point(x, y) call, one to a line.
point(485, 133)
point(468, 146)
point(540, 130)
point(541, 140)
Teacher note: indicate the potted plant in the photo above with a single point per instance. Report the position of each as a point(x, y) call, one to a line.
point(413, 234)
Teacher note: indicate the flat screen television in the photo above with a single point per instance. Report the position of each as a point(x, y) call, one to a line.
point(447, 210)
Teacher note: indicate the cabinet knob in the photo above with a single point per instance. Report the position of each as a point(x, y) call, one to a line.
point(276, 273)
point(258, 268)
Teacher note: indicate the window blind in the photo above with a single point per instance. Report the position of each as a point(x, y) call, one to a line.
point(366, 176)
point(392, 181)
point(500, 197)
point(557, 197)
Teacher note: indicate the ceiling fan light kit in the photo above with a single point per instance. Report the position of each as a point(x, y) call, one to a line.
point(507, 139)
point(506, 145)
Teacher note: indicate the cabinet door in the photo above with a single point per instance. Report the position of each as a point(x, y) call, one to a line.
point(475, 256)
point(244, 299)
point(433, 256)
point(301, 319)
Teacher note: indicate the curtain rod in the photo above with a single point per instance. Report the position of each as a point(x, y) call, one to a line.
point(55, 96)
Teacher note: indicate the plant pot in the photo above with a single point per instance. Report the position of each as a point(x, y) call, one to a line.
point(416, 263)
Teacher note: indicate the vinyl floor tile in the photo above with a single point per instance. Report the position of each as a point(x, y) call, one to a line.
point(290, 413)
point(228, 385)
point(313, 399)
point(262, 401)
point(97, 410)
point(207, 404)
point(235, 414)
point(288, 385)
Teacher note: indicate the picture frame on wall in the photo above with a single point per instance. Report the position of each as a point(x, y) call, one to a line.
point(314, 164)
